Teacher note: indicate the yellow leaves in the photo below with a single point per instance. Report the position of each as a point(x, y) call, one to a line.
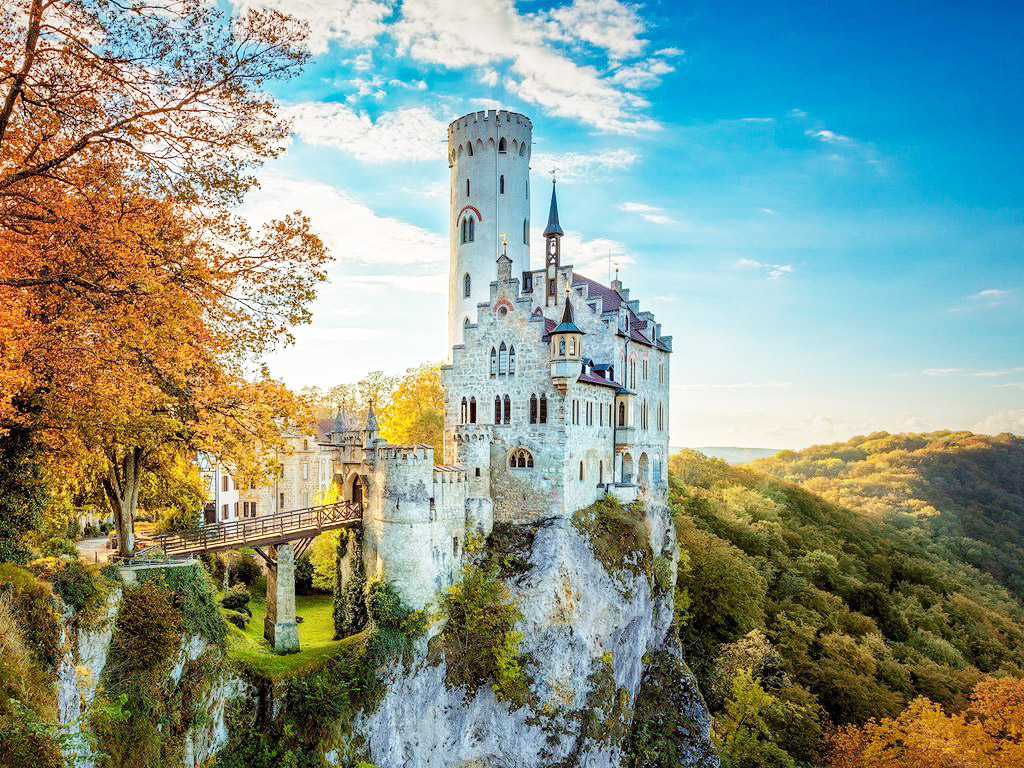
point(416, 411)
point(989, 733)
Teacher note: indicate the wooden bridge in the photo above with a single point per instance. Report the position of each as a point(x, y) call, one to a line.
point(300, 525)
point(285, 535)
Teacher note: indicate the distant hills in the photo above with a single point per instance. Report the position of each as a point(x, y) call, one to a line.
point(732, 454)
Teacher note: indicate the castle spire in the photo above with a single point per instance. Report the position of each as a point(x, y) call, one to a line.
point(553, 228)
point(371, 420)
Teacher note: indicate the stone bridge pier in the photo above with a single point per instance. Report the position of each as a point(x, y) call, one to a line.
point(279, 627)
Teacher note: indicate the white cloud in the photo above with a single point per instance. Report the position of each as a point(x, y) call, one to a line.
point(757, 119)
point(352, 231)
point(829, 137)
point(738, 385)
point(643, 74)
point(490, 32)
point(669, 52)
point(576, 166)
point(348, 21)
point(649, 213)
point(412, 133)
point(590, 257)
point(1001, 421)
point(965, 372)
point(489, 78)
point(610, 25)
point(775, 271)
point(991, 293)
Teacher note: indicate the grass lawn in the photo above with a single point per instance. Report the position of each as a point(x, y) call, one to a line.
point(248, 648)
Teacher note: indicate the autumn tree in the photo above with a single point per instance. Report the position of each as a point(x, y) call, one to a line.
point(990, 732)
point(134, 302)
point(416, 411)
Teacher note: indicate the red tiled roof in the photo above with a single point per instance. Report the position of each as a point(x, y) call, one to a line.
point(593, 378)
point(323, 428)
point(610, 299)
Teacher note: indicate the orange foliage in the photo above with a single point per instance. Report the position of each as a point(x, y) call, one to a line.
point(988, 734)
point(134, 304)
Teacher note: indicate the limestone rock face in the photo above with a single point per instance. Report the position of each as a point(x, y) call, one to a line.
point(586, 633)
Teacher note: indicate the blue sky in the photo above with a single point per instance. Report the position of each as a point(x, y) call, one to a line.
point(822, 204)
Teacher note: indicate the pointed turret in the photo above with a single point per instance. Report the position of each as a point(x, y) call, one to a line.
point(566, 349)
point(568, 324)
point(553, 250)
point(553, 227)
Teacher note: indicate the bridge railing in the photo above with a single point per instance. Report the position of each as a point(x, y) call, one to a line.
point(259, 529)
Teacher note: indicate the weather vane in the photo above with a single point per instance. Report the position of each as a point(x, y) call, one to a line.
point(504, 243)
point(553, 171)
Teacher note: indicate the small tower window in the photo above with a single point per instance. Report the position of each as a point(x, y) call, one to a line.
point(561, 347)
point(467, 187)
point(502, 145)
point(508, 410)
point(572, 346)
point(465, 411)
point(497, 409)
point(526, 231)
point(469, 148)
point(494, 363)
point(466, 286)
point(472, 228)
point(465, 230)
point(543, 409)
point(600, 472)
point(533, 409)
point(583, 471)
point(501, 184)
point(502, 359)
point(622, 414)
point(472, 410)
point(511, 361)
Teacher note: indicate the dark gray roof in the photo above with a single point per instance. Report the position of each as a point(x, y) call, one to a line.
point(568, 325)
point(553, 227)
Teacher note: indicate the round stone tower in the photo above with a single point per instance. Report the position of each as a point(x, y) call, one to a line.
point(489, 154)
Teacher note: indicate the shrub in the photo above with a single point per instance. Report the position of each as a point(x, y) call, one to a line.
point(618, 535)
point(22, 494)
point(195, 598)
point(34, 610)
point(304, 576)
point(239, 619)
point(77, 584)
point(245, 570)
point(58, 546)
point(349, 598)
point(479, 640)
point(237, 600)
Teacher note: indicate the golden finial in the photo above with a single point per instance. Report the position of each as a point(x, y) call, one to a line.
point(504, 243)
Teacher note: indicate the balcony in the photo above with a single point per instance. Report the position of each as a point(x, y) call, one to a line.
point(625, 435)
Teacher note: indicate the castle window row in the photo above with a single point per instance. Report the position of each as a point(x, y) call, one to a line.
point(468, 228)
point(503, 360)
point(538, 409)
point(593, 413)
point(503, 410)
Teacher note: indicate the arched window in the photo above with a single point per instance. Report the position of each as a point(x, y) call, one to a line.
point(494, 363)
point(467, 187)
point(497, 409)
point(502, 359)
point(472, 410)
point(622, 414)
point(511, 361)
point(465, 230)
point(572, 346)
point(600, 472)
point(520, 458)
point(526, 231)
point(561, 347)
point(583, 471)
point(465, 411)
point(472, 228)
point(467, 285)
point(508, 410)
point(533, 409)
point(522, 149)
point(661, 417)
point(501, 184)
point(305, 445)
point(465, 322)
point(469, 149)
point(543, 409)
point(502, 145)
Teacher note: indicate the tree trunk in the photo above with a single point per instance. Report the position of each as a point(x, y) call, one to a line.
point(122, 489)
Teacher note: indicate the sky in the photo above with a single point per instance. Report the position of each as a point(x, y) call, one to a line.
point(821, 203)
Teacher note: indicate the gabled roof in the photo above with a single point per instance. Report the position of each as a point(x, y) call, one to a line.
point(611, 301)
point(593, 378)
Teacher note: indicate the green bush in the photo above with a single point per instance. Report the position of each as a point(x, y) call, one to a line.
point(479, 640)
point(196, 599)
point(349, 599)
point(239, 619)
point(244, 570)
point(22, 492)
point(35, 612)
point(237, 600)
point(79, 585)
point(618, 535)
point(58, 546)
point(304, 576)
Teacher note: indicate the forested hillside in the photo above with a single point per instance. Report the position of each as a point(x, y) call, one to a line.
point(803, 613)
point(962, 490)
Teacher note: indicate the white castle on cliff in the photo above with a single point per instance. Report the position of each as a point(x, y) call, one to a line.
point(557, 391)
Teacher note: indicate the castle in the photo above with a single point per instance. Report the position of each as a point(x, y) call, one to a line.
point(556, 394)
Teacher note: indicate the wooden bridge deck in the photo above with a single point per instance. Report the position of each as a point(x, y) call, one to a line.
point(267, 530)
